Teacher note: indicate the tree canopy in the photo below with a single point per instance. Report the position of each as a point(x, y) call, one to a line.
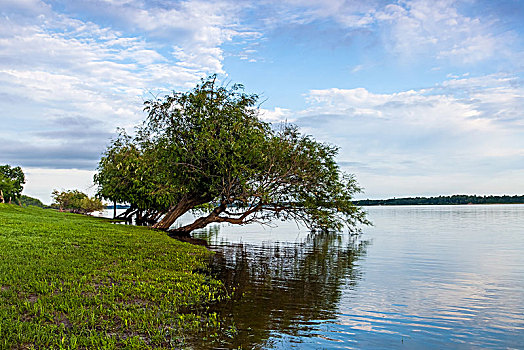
point(76, 202)
point(12, 180)
point(207, 149)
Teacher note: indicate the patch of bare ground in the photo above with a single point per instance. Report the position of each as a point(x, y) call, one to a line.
point(61, 318)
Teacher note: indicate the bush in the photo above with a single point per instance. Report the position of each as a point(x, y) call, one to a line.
point(27, 201)
point(76, 202)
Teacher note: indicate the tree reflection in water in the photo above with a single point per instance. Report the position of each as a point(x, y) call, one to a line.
point(282, 288)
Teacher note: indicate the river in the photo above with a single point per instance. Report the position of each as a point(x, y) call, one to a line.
point(432, 277)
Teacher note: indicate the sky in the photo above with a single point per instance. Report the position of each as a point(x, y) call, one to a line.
point(423, 97)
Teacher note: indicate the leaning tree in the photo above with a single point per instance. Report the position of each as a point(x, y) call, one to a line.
point(207, 150)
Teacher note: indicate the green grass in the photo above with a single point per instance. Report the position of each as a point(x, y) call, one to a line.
point(69, 281)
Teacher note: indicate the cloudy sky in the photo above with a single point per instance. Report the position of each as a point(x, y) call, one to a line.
point(424, 97)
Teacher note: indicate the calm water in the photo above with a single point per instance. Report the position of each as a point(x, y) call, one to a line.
point(422, 277)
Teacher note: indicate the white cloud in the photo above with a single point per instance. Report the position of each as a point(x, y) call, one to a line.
point(40, 182)
point(194, 30)
point(421, 26)
point(66, 66)
point(462, 103)
point(465, 127)
point(440, 29)
point(276, 115)
point(98, 60)
point(358, 68)
point(27, 6)
point(61, 67)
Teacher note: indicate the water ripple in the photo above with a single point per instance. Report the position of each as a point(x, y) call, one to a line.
point(422, 277)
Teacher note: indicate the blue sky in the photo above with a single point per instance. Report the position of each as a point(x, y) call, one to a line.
point(423, 97)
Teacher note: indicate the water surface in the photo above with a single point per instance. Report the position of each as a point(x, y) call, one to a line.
point(421, 277)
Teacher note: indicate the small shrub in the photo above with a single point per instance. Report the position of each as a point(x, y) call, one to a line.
point(76, 202)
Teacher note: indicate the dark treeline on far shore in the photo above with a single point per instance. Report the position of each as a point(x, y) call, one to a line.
point(445, 200)
point(118, 206)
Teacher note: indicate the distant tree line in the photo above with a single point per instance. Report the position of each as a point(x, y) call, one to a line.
point(26, 201)
point(12, 180)
point(445, 200)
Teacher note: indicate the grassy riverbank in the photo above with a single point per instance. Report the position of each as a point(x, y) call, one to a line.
point(71, 281)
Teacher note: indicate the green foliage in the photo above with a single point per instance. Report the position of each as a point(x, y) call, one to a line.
point(11, 183)
point(76, 282)
point(26, 201)
point(76, 201)
point(207, 147)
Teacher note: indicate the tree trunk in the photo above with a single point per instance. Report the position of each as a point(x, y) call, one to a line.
point(2, 196)
point(138, 219)
point(185, 231)
point(127, 214)
point(180, 209)
point(149, 217)
point(114, 209)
